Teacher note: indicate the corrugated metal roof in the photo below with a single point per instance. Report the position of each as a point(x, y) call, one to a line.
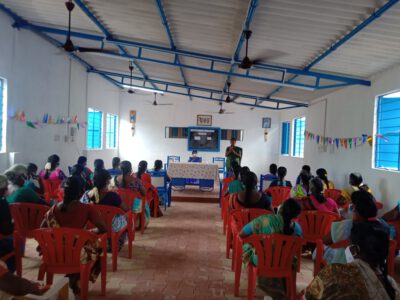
point(285, 32)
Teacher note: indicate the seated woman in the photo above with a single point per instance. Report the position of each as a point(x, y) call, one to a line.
point(272, 175)
point(303, 188)
point(318, 200)
point(194, 158)
point(51, 170)
point(100, 194)
point(356, 184)
point(305, 168)
point(158, 165)
point(251, 197)
point(365, 274)
point(18, 191)
point(323, 175)
point(87, 173)
point(281, 223)
point(128, 180)
point(6, 225)
point(364, 210)
point(98, 164)
point(115, 170)
point(74, 214)
point(281, 179)
point(33, 180)
point(79, 171)
point(237, 186)
point(142, 173)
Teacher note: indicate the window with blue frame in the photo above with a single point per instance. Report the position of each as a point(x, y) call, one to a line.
point(298, 137)
point(387, 149)
point(285, 143)
point(94, 129)
point(111, 131)
point(3, 116)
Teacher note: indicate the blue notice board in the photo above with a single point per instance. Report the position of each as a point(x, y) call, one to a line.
point(206, 139)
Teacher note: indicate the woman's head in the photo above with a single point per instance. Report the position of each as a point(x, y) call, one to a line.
point(126, 167)
point(31, 169)
point(73, 191)
point(236, 170)
point(77, 170)
point(249, 181)
point(364, 206)
point(158, 165)
point(82, 160)
point(101, 179)
point(3, 185)
point(355, 179)
point(317, 188)
point(305, 178)
point(233, 165)
point(289, 210)
point(142, 168)
point(115, 162)
point(54, 161)
point(306, 168)
point(273, 168)
point(98, 164)
point(17, 174)
point(243, 171)
point(282, 173)
point(323, 175)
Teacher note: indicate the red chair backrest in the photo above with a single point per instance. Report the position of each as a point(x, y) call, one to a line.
point(51, 188)
point(275, 253)
point(128, 195)
point(316, 224)
point(279, 194)
point(27, 216)
point(107, 214)
point(244, 216)
point(333, 193)
point(225, 184)
point(61, 247)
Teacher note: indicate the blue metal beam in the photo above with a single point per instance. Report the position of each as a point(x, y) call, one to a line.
point(214, 94)
point(246, 26)
point(170, 38)
point(344, 39)
point(212, 59)
point(106, 32)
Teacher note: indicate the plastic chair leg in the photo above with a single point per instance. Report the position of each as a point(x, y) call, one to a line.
point(252, 277)
point(103, 274)
point(234, 251)
point(238, 271)
point(42, 272)
point(228, 244)
point(114, 248)
point(142, 221)
point(18, 254)
point(84, 282)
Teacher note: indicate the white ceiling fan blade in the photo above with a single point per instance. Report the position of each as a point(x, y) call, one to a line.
point(164, 104)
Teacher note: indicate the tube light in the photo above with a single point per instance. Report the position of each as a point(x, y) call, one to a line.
point(126, 86)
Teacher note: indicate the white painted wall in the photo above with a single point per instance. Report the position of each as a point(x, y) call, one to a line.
point(149, 142)
point(37, 74)
point(350, 112)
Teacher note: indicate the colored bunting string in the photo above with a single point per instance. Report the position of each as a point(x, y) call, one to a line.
point(346, 143)
point(48, 119)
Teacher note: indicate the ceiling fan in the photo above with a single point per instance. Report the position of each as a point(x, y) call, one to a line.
point(229, 99)
point(130, 90)
point(246, 62)
point(68, 45)
point(221, 110)
point(155, 103)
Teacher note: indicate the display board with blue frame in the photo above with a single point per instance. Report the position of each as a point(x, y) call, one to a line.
point(206, 139)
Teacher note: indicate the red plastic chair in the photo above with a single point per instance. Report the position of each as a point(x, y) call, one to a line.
point(51, 189)
point(152, 196)
point(275, 254)
point(279, 195)
point(17, 256)
point(228, 203)
point(27, 217)
point(61, 249)
point(128, 196)
point(315, 225)
point(108, 213)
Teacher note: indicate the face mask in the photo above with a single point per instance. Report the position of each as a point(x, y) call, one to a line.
point(349, 254)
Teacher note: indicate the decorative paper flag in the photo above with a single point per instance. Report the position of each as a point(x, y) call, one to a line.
point(370, 140)
point(317, 139)
point(22, 118)
point(78, 125)
point(45, 118)
point(75, 119)
point(382, 137)
point(30, 124)
point(337, 143)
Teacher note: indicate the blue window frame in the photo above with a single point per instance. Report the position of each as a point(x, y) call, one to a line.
point(111, 131)
point(285, 143)
point(94, 129)
point(387, 151)
point(298, 137)
point(3, 115)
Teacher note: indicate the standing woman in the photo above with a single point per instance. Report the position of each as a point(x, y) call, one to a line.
point(127, 180)
point(323, 175)
point(233, 153)
point(51, 169)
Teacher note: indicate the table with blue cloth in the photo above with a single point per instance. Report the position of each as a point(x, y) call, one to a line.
point(182, 174)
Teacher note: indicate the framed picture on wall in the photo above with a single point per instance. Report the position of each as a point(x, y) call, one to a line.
point(266, 123)
point(204, 120)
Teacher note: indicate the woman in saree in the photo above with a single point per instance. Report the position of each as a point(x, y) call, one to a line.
point(128, 180)
point(303, 188)
point(364, 276)
point(356, 184)
point(364, 210)
point(323, 175)
point(236, 185)
point(74, 214)
point(100, 194)
point(51, 170)
point(318, 200)
point(281, 223)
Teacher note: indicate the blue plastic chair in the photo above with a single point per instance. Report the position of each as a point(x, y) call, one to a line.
point(160, 180)
point(196, 159)
point(172, 158)
point(220, 161)
point(264, 183)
